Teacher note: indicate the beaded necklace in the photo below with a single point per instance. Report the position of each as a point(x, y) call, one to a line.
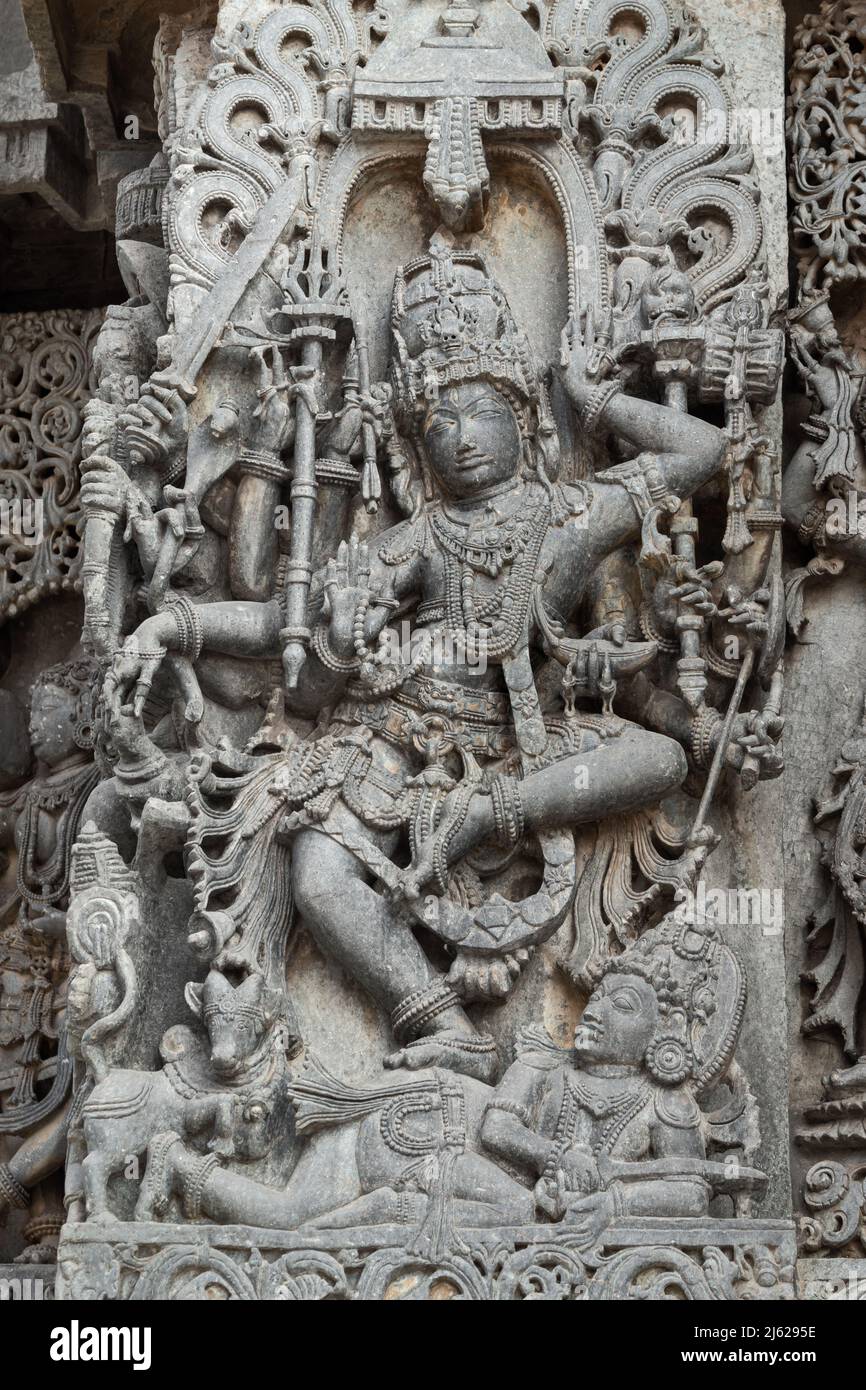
point(512, 546)
point(48, 883)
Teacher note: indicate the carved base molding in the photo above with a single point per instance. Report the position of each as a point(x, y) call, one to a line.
point(650, 1258)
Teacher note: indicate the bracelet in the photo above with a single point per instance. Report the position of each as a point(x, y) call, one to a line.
point(644, 486)
point(136, 774)
point(648, 628)
point(704, 726)
point(38, 1227)
point(262, 463)
point(511, 1107)
point(480, 1046)
point(194, 1185)
point(187, 621)
point(616, 1191)
point(156, 655)
point(811, 523)
point(508, 816)
point(417, 1008)
point(720, 666)
point(765, 521)
point(599, 398)
point(326, 656)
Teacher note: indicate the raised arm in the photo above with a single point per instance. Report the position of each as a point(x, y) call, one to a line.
point(684, 451)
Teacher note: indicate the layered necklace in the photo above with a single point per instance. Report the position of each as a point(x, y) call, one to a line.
point(497, 545)
point(615, 1109)
point(67, 791)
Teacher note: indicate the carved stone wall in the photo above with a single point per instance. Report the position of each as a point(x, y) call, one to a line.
point(435, 863)
point(46, 766)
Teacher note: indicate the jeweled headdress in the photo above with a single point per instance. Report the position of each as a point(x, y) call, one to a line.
point(81, 679)
point(451, 323)
point(701, 992)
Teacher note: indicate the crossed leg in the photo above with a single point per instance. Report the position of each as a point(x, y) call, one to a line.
point(622, 774)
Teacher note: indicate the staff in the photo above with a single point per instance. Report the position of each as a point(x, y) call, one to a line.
point(315, 301)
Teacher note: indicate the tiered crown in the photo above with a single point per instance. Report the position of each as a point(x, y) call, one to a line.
point(451, 323)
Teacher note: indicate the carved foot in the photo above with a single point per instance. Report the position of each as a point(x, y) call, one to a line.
point(472, 1055)
point(847, 1078)
point(45, 1253)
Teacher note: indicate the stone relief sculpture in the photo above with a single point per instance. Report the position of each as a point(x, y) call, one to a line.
point(39, 823)
point(430, 609)
point(45, 382)
point(414, 650)
point(823, 486)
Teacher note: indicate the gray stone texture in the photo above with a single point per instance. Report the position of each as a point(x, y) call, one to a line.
point(409, 882)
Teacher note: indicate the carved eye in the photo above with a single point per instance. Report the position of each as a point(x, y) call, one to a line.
point(624, 1001)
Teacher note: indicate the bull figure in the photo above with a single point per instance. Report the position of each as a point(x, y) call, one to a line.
point(214, 1090)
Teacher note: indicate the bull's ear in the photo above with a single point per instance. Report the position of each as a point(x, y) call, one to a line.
point(192, 994)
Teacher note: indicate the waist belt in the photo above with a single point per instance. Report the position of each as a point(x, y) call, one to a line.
point(453, 701)
point(404, 724)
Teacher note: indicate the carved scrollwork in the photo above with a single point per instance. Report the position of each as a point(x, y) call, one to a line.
point(45, 381)
point(828, 154)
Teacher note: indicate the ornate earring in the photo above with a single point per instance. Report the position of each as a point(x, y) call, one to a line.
point(669, 1057)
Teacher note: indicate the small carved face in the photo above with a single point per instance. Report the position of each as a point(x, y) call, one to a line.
point(472, 439)
point(619, 1022)
point(233, 1038)
point(52, 724)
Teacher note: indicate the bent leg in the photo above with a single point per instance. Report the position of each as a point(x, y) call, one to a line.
point(353, 923)
point(621, 775)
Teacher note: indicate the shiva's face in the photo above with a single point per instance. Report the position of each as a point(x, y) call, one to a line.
point(619, 1022)
point(472, 439)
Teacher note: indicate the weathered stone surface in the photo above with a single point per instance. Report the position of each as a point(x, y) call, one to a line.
point(435, 906)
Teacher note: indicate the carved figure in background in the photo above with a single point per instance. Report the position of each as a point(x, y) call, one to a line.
point(39, 821)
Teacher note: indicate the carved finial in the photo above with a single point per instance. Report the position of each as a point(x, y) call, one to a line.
point(96, 860)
